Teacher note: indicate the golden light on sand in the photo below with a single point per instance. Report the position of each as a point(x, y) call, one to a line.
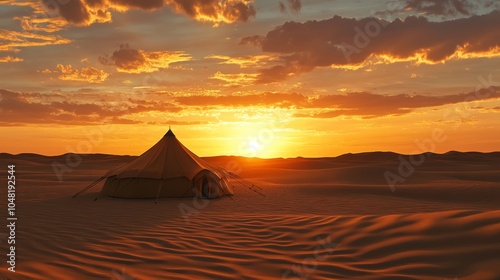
point(245, 139)
point(310, 215)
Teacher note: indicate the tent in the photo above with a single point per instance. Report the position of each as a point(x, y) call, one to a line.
point(168, 169)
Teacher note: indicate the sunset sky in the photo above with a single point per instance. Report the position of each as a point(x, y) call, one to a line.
point(252, 78)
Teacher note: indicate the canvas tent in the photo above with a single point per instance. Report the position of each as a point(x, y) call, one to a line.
point(168, 169)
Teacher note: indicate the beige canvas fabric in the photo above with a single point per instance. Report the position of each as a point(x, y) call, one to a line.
point(168, 169)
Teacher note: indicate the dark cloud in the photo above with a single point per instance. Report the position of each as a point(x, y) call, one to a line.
point(79, 12)
point(74, 11)
point(374, 105)
point(86, 12)
point(346, 42)
point(95, 3)
point(124, 58)
point(34, 108)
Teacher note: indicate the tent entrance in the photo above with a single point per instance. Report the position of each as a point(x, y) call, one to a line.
point(205, 187)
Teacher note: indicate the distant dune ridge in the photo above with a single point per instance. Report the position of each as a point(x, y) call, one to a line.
point(321, 218)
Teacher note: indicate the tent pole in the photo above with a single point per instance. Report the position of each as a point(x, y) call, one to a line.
point(242, 181)
point(88, 187)
point(189, 189)
point(159, 190)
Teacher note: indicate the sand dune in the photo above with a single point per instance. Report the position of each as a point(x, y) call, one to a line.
point(325, 218)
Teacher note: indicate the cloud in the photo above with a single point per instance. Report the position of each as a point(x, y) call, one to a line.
point(130, 60)
point(238, 79)
point(352, 43)
point(87, 12)
point(255, 40)
point(10, 59)
point(362, 104)
point(14, 40)
point(282, 7)
point(92, 108)
point(373, 105)
point(38, 23)
point(86, 74)
point(243, 62)
point(35, 108)
point(216, 11)
point(439, 7)
point(283, 100)
point(40, 19)
point(293, 5)
point(434, 7)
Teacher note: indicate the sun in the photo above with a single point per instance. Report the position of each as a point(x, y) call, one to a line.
point(254, 145)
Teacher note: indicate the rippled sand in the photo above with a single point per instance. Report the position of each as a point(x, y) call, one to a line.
point(319, 219)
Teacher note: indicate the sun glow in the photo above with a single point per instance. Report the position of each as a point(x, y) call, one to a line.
point(254, 145)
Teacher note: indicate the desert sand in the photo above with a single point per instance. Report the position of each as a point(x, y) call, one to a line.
point(321, 218)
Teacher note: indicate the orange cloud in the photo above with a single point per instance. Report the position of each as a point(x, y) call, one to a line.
point(34, 23)
point(41, 18)
point(87, 12)
point(13, 40)
point(216, 11)
point(139, 61)
point(352, 43)
point(239, 79)
point(86, 74)
point(10, 59)
point(243, 62)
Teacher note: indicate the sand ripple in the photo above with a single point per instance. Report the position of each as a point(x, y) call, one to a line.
point(443, 245)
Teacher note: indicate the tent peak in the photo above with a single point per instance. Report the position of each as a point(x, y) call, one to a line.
point(169, 133)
